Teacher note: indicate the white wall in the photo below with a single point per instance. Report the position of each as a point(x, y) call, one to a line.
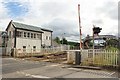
point(10, 43)
point(29, 43)
point(44, 41)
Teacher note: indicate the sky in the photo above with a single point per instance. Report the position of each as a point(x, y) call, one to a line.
point(61, 16)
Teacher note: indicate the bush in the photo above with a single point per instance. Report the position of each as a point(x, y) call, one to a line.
point(111, 48)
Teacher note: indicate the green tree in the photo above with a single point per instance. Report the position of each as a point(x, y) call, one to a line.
point(57, 39)
point(64, 41)
point(119, 43)
point(112, 43)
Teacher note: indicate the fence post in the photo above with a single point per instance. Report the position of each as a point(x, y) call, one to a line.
point(118, 59)
point(68, 47)
point(14, 52)
point(93, 55)
point(77, 58)
point(69, 58)
point(61, 47)
point(118, 63)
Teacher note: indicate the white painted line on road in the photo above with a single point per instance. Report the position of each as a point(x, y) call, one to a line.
point(5, 64)
point(75, 69)
point(38, 76)
point(30, 75)
point(112, 73)
point(54, 65)
point(105, 73)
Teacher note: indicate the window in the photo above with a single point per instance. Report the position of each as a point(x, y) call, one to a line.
point(49, 38)
point(24, 34)
point(13, 34)
point(34, 48)
point(34, 35)
point(31, 35)
point(24, 48)
point(28, 35)
point(46, 37)
point(10, 34)
point(39, 36)
point(19, 34)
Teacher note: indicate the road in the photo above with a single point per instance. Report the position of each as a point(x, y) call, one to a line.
point(18, 68)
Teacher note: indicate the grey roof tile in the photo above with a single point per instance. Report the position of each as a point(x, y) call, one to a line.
point(29, 27)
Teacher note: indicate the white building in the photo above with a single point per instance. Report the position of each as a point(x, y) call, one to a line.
point(27, 37)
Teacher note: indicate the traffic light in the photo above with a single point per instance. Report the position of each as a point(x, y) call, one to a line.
point(97, 30)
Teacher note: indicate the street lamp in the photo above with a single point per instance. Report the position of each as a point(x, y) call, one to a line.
point(63, 35)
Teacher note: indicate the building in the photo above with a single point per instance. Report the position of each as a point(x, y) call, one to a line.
point(27, 38)
point(105, 36)
point(99, 40)
point(3, 38)
point(3, 42)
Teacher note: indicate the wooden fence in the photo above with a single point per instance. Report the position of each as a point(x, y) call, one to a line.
point(100, 57)
point(37, 52)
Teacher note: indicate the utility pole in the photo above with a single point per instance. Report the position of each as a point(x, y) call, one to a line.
point(96, 31)
point(63, 36)
point(93, 45)
point(62, 41)
point(80, 27)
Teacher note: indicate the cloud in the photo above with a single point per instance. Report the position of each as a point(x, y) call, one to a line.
point(62, 16)
point(7, 13)
point(4, 17)
point(60, 26)
point(109, 9)
point(16, 9)
point(97, 21)
point(53, 8)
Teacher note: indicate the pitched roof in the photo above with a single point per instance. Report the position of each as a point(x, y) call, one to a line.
point(29, 27)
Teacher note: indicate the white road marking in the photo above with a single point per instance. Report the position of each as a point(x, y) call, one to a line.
point(54, 65)
point(38, 76)
point(112, 73)
point(75, 69)
point(99, 72)
point(5, 64)
point(30, 75)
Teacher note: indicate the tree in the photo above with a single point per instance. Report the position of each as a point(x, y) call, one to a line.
point(57, 39)
point(88, 43)
point(64, 41)
point(112, 43)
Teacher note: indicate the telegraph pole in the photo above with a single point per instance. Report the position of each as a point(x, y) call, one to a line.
point(80, 27)
point(93, 45)
point(63, 36)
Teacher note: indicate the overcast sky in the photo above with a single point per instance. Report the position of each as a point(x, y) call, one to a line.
point(61, 16)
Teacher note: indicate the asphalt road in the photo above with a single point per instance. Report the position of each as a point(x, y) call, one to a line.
point(18, 68)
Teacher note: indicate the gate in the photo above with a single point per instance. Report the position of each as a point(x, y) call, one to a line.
point(100, 57)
